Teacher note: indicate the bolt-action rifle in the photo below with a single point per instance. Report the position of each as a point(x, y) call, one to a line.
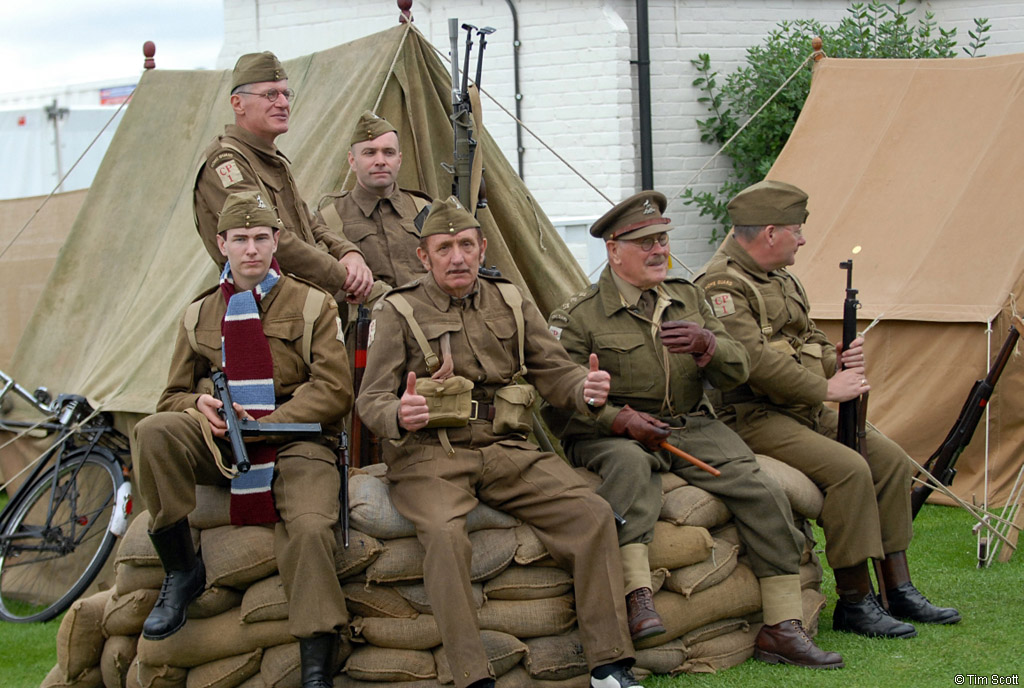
point(363, 443)
point(941, 463)
point(239, 429)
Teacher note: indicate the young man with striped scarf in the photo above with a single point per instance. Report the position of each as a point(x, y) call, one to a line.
point(284, 364)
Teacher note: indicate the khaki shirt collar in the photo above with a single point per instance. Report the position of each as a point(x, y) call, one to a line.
point(254, 142)
point(367, 201)
point(737, 254)
point(442, 300)
point(618, 294)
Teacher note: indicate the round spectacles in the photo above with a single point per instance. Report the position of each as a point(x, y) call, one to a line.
point(272, 94)
point(647, 242)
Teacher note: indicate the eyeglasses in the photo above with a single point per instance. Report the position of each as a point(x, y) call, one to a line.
point(272, 94)
point(647, 243)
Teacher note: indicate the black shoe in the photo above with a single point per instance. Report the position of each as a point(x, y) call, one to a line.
point(184, 579)
point(868, 618)
point(907, 602)
point(317, 656)
point(619, 677)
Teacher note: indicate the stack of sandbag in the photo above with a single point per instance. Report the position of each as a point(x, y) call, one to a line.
point(237, 632)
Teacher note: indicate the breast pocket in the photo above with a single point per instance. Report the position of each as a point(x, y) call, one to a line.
point(627, 358)
point(289, 368)
point(209, 344)
point(503, 327)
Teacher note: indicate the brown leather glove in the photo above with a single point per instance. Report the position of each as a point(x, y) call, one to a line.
point(640, 426)
point(686, 337)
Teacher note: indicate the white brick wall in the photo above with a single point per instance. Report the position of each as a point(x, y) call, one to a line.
point(578, 84)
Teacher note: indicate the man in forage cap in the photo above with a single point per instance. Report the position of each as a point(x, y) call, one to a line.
point(662, 345)
point(245, 327)
point(780, 411)
point(245, 158)
point(459, 341)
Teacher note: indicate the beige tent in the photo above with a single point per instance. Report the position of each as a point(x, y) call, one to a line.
point(28, 256)
point(105, 324)
point(920, 163)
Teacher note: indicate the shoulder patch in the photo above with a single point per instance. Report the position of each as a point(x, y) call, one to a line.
point(555, 331)
point(578, 298)
point(722, 305)
point(373, 329)
point(229, 173)
point(721, 282)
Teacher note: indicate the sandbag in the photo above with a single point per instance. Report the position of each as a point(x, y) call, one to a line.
point(529, 548)
point(237, 556)
point(265, 601)
point(529, 618)
point(528, 583)
point(377, 600)
point(80, 635)
point(225, 673)
point(369, 663)
point(135, 547)
point(676, 546)
point(125, 614)
point(56, 678)
point(556, 658)
point(402, 559)
point(416, 596)
point(519, 677)
point(664, 659)
point(213, 601)
point(362, 550)
point(204, 640)
point(721, 652)
point(705, 574)
point(804, 496)
point(692, 506)
point(420, 633)
point(118, 653)
point(163, 676)
point(504, 651)
point(128, 578)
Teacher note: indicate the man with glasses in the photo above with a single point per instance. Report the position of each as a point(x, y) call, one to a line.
point(245, 158)
point(780, 411)
point(658, 339)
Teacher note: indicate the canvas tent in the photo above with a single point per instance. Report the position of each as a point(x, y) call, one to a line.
point(919, 162)
point(106, 322)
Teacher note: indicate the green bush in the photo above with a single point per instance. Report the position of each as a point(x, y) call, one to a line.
point(874, 29)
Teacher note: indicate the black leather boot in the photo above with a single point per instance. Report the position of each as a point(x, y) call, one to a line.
point(184, 579)
point(906, 601)
point(858, 610)
point(317, 656)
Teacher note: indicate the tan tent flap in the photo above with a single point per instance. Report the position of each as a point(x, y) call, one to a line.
point(28, 258)
point(106, 323)
point(919, 162)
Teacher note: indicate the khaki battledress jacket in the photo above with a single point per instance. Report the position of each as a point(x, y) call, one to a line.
point(240, 161)
point(781, 412)
point(671, 387)
point(172, 456)
point(382, 228)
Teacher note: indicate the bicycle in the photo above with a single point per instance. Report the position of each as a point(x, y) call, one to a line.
point(60, 526)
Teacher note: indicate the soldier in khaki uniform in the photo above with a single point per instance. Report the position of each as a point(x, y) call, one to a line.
point(245, 158)
point(180, 446)
point(661, 344)
point(781, 411)
point(376, 214)
point(439, 391)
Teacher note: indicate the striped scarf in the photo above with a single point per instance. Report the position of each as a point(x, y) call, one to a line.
point(249, 369)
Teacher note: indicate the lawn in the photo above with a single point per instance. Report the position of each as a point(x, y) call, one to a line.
point(943, 563)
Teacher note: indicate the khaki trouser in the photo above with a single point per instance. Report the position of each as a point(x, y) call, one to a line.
point(632, 485)
point(867, 503)
point(172, 458)
point(436, 491)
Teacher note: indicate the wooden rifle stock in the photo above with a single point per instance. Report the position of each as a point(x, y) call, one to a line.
point(362, 441)
point(941, 463)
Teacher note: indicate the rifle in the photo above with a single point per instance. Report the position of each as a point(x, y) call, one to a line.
point(362, 453)
point(343, 492)
point(941, 463)
point(239, 429)
point(847, 433)
point(464, 153)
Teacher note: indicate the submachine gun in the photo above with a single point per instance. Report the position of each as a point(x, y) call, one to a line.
point(941, 463)
point(239, 429)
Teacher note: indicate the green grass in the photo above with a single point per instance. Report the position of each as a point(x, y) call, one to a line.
point(943, 564)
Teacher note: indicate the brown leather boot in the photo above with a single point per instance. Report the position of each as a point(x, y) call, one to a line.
point(788, 643)
point(643, 621)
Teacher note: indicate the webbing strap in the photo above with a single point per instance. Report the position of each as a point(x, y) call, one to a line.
point(190, 321)
point(514, 300)
point(310, 311)
point(402, 306)
point(766, 328)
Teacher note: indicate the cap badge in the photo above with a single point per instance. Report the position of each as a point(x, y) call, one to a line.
point(648, 208)
point(259, 202)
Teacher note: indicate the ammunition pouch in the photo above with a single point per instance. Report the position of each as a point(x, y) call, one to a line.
point(449, 402)
point(513, 409)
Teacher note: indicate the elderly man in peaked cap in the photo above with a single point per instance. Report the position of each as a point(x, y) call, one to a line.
point(660, 342)
point(274, 376)
point(245, 158)
point(445, 354)
point(780, 411)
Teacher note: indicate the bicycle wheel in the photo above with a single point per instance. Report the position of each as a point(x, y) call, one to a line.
point(43, 569)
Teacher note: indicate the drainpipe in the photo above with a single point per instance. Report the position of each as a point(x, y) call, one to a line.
point(643, 73)
point(515, 76)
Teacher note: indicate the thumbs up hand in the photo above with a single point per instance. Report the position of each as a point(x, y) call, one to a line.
point(597, 384)
point(413, 413)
